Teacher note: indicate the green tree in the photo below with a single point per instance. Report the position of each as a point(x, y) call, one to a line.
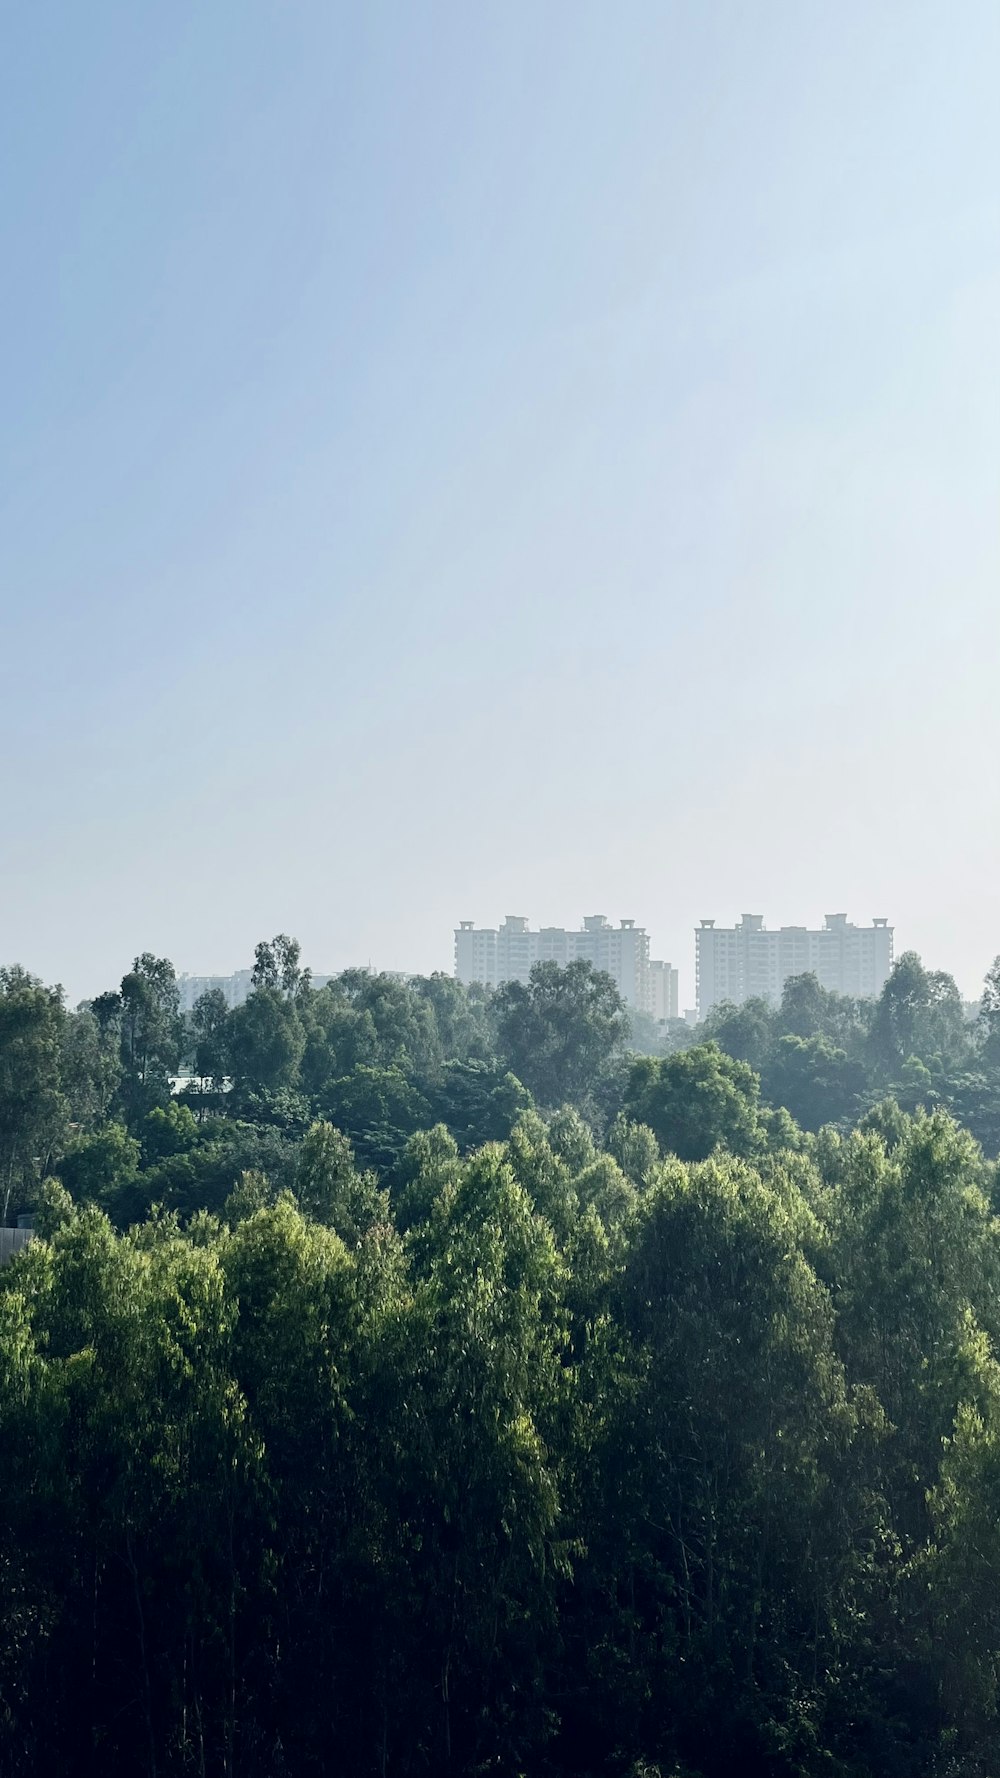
point(989, 1015)
point(252, 1192)
point(90, 1067)
point(813, 1079)
point(561, 1030)
point(543, 1174)
point(403, 1023)
point(210, 1029)
point(265, 1042)
point(332, 1191)
point(379, 1109)
point(745, 1032)
point(696, 1101)
point(478, 1101)
point(32, 1107)
point(96, 1168)
point(635, 1148)
point(367, 1020)
point(430, 1163)
point(919, 1013)
point(168, 1130)
point(479, 1469)
point(913, 1255)
point(724, 1456)
point(277, 968)
point(973, 1099)
point(804, 1003)
point(460, 1018)
point(960, 1572)
point(151, 1034)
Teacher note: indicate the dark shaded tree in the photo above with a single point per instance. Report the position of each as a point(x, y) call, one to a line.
point(560, 1031)
point(264, 1042)
point(33, 1110)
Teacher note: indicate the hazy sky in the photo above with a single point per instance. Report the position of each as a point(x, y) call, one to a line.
point(459, 459)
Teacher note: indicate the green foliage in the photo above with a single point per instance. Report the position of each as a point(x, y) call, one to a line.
point(918, 1014)
point(380, 1109)
point(813, 1079)
point(90, 1068)
point(560, 1031)
point(252, 1192)
point(265, 1041)
point(989, 1015)
point(695, 1101)
point(430, 1163)
point(478, 1101)
point(745, 1032)
point(385, 1423)
point(737, 1429)
point(96, 1168)
point(32, 1107)
point(151, 1034)
point(210, 1033)
point(276, 967)
point(635, 1148)
point(168, 1130)
point(332, 1191)
point(460, 1016)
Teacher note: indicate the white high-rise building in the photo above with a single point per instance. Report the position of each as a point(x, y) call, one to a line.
point(738, 963)
point(662, 990)
point(507, 953)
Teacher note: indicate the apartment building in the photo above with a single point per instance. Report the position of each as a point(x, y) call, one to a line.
point(507, 953)
point(236, 988)
point(663, 998)
point(745, 961)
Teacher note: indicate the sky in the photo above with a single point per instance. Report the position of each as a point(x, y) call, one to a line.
point(459, 460)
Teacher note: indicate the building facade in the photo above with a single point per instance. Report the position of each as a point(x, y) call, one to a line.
point(507, 953)
point(235, 988)
point(663, 998)
point(741, 962)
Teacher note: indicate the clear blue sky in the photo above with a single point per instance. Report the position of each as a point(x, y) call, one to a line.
point(459, 459)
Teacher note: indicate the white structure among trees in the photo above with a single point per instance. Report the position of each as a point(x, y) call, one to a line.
point(737, 963)
point(506, 953)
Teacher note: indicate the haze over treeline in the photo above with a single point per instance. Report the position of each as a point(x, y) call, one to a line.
point(451, 1380)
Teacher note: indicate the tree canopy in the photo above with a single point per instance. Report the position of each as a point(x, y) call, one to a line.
point(435, 1385)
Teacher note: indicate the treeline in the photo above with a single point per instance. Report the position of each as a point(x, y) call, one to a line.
point(441, 1387)
point(828, 1058)
point(88, 1092)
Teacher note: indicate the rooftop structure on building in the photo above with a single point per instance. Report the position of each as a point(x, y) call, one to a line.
point(507, 953)
point(746, 961)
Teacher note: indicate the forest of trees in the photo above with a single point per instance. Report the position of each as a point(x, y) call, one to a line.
point(437, 1384)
